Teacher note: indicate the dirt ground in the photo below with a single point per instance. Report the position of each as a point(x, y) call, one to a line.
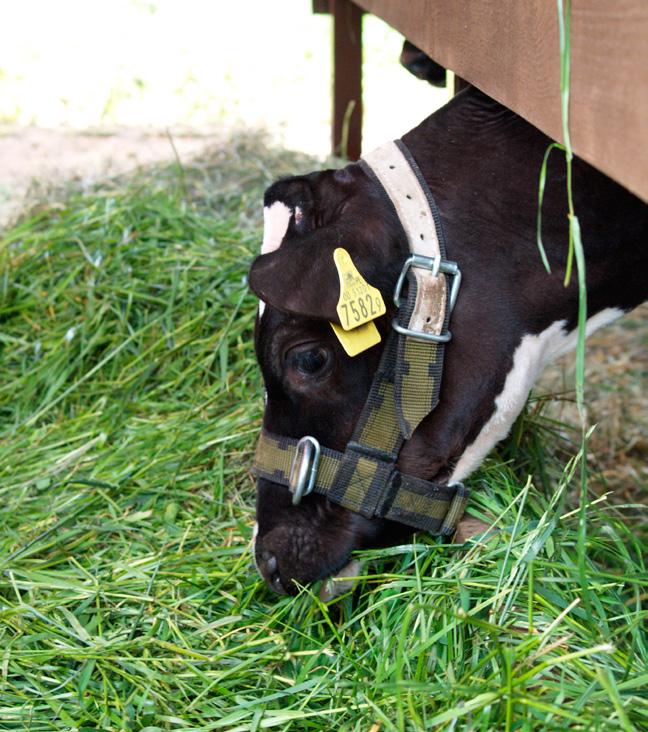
point(32, 156)
point(617, 360)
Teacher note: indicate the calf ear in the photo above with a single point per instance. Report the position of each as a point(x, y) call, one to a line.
point(296, 272)
point(300, 276)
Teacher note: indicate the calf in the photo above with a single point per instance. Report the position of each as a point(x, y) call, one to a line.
point(480, 163)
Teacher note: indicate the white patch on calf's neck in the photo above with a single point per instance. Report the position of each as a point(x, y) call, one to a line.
point(530, 357)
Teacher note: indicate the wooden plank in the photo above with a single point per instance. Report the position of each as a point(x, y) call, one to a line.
point(510, 50)
point(347, 79)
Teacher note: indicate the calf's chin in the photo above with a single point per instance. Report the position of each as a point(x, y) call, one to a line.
point(296, 545)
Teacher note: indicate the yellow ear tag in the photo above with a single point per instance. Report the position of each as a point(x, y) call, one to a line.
point(357, 340)
point(359, 304)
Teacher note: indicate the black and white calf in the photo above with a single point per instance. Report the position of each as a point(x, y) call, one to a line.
point(481, 163)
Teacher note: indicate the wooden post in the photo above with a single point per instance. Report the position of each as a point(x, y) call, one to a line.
point(347, 79)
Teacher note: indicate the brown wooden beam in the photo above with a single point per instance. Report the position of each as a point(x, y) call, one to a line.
point(509, 49)
point(347, 79)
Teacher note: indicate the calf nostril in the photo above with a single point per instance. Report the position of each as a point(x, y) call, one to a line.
point(271, 564)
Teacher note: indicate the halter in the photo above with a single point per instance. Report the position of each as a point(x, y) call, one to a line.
point(405, 388)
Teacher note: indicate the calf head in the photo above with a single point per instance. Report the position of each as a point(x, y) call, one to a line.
point(312, 386)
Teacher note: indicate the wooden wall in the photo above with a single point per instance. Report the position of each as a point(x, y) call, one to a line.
point(510, 50)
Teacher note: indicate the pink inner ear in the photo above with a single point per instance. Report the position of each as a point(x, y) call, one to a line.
point(275, 225)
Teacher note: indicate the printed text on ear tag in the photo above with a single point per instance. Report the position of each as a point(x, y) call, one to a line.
point(359, 302)
point(357, 340)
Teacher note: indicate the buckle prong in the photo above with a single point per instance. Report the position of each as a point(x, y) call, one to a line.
point(303, 470)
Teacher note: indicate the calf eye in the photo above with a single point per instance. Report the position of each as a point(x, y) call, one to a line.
point(308, 360)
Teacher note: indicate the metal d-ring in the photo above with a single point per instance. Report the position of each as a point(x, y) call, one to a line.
point(303, 470)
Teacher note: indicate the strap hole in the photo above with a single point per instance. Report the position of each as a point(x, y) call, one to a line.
point(391, 167)
point(408, 196)
point(422, 237)
point(428, 319)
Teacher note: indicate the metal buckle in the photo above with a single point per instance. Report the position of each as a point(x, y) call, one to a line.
point(303, 470)
point(436, 265)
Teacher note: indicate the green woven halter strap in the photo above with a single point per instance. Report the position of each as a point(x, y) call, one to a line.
point(419, 503)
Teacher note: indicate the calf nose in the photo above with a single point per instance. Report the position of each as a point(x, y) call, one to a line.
point(268, 566)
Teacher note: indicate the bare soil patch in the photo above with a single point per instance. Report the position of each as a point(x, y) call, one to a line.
point(34, 158)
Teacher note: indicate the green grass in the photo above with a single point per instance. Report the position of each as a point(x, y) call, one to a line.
point(129, 402)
